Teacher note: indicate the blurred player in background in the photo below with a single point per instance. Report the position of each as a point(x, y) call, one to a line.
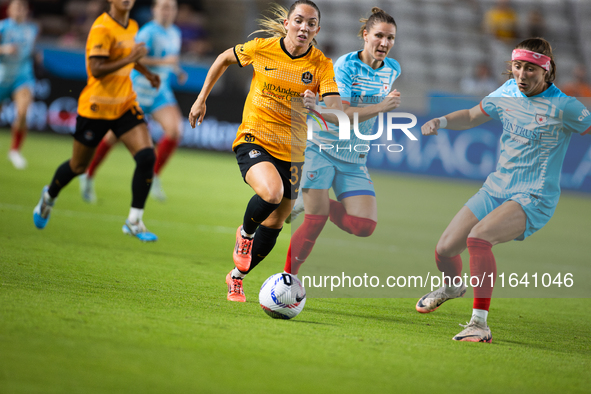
point(17, 78)
point(108, 103)
point(163, 42)
point(268, 147)
point(520, 197)
point(362, 76)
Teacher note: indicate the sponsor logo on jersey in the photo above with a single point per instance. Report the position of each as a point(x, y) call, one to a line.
point(541, 119)
point(307, 77)
point(584, 114)
point(279, 92)
point(254, 153)
point(269, 69)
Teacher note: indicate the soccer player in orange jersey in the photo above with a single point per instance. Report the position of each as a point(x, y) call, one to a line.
point(269, 149)
point(108, 102)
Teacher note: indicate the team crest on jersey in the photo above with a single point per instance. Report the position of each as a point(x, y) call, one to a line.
point(307, 77)
point(88, 135)
point(541, 119)
point(386, 87)
point(312, 175)
point(94, 107)
point(254, 153)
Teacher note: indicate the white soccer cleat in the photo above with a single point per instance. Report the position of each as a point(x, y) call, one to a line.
point(87, 188)
point(474, 332)
point(17, 160)
point(156, 190)
point(433, 300)
point(139, 231)
point(297, 209)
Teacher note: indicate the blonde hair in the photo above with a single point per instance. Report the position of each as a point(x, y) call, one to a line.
point(273, 25)
point(377, 15)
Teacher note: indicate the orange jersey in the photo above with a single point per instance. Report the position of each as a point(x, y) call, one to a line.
point(110, 96)
point(277, 78)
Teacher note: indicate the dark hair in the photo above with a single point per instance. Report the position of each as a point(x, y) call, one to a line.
point(273, 25)
point(538, 45)
point(377, 15)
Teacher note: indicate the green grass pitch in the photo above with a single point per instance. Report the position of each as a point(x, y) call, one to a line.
point(86, 309)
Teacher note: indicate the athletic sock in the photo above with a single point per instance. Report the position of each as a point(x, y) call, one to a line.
point(165, 149)
point(99, 155)
point(18, 136)
point(479, 316)
point(361, 227)
point(303, 240)
point(237, 274)
point(257, 211)
point(135, 215)
point(264, 241)
point(63, 175)
point(482, 264)
point(142, 177)
point(450, 267)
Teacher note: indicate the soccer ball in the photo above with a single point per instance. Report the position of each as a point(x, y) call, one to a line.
point(282, 296)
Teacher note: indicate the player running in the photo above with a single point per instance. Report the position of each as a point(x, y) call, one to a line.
point(269, 148)
point(520, 197)
point(17, 79)
point(366, 78)
point(108, 103)
point(163, 42)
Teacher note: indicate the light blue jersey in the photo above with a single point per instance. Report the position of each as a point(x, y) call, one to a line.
point(17, 69)
point(536, 134)
point(363, 86)
point(160, 42)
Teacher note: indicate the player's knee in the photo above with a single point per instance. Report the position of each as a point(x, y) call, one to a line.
point(363, 227)
point(78, 168)
point(145, 158)
point(272, 195)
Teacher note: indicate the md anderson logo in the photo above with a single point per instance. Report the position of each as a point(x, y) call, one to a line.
point(279, 92)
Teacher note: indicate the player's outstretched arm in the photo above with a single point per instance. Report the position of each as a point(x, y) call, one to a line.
point(101, 66)
point(216, 70)
point(459, 120)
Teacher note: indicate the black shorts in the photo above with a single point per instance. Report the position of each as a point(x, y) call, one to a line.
point(248, 155)
point(90, 132)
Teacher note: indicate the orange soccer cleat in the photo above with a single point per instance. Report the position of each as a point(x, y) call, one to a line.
point(235, 290)
point(242, 251)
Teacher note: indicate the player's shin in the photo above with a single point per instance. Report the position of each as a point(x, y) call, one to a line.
point(303, 240)
point(482, 264)
point(142, 177)
point(263, 243)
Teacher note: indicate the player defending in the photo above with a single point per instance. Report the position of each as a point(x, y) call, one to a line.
point(361, 76)
point(108, 103)
point(17, 40)
point(163, 42)
point(269, 149)
point(520, 197)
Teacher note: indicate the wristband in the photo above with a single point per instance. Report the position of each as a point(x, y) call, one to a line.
point(442, 122)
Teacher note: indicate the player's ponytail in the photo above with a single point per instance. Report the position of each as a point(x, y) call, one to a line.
point(377, 15)
point(538, 45)
point(273, 25)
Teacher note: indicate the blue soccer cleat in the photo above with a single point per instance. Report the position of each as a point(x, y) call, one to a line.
point(139, 231)
point(42, 210)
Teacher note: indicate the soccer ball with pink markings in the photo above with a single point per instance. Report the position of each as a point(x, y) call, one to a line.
point(282, 296)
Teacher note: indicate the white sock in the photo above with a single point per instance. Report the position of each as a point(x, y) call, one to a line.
point(237, 274)
point(479, 315)
point(135, 215)
point(47, 198)
point(245, 234)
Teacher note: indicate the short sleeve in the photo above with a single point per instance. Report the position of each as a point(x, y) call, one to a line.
point(328, 85)
point(488, 106)
point(144, 36)
point(99, 42)
point(343, 78)
point(245, 52)
point(576, 117)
